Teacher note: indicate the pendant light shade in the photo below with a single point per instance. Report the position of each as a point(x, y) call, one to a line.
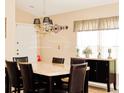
point(37, 21)
point(51, 22)
point(46, 20)
point(47, 24)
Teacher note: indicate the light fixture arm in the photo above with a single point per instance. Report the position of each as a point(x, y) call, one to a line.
point(47, 25)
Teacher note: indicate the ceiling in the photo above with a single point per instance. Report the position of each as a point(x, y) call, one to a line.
point(53, 7)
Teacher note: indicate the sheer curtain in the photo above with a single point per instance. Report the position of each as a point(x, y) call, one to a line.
point(96, 24)
point(98, 41)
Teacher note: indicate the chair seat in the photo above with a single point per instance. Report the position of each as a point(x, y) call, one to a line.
point(65, 79)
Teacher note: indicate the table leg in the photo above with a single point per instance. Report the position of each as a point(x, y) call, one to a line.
point(50, 85)
point(86, 82)
point(108, 87)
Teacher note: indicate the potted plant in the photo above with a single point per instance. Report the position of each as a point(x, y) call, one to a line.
point(87, 51)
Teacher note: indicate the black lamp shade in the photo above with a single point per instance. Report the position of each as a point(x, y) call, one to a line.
point(36, 21)
point(51, 22)
point(46, 20)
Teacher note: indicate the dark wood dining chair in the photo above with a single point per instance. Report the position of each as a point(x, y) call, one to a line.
point(14, 76)
point(29, 83)
point(77, 60)
point(6, 81)
point(76, 79)
point(20, 59)
point(58, 60)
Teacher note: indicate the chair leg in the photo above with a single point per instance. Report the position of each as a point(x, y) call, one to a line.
point(108, 87)
point(15, 90)
point(18, 90)
point(9, 87)
point(6, 85)
point(114, 85)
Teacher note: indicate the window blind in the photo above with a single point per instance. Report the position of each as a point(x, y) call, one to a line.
point(107, 23)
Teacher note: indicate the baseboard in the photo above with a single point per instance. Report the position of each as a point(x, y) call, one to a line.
point(99, 85)
point(104, 85)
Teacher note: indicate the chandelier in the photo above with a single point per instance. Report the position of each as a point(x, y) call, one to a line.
point(46, 25)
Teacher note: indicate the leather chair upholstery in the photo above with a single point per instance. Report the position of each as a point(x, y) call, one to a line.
point(29, 83)
point(14, 76)
point(20, 59)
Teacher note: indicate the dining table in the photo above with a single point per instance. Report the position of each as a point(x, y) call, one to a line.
point(51, 70)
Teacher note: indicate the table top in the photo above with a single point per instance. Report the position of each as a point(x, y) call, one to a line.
point(50, 69)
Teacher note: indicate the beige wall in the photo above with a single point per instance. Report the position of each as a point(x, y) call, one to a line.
point(23, 16)
point(10, 30)
point(67, 39)
point(13, 15)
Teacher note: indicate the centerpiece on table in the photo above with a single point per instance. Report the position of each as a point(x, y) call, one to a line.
point(87, 51)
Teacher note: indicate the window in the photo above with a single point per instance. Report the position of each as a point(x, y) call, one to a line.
point(98, 41)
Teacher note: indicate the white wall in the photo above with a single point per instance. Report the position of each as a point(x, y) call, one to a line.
point(66, 39)
point(10, 29)
point(22, 16)
point(27, 41)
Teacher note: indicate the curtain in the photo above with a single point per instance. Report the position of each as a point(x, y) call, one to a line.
point(96, 24)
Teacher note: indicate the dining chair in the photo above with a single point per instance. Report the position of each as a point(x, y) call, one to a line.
point(77, 60)
point(6, 81)
point(14, 76)
point(73, 61)
point(29, 83)
point(76, 79)
point(58, 60)
point(20, 59)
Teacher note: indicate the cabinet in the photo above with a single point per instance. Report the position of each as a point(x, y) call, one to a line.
point(103, 71)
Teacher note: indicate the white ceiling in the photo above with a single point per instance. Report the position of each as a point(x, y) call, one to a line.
point(52, 7)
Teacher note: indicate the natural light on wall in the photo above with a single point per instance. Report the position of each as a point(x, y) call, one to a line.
point(98, 41)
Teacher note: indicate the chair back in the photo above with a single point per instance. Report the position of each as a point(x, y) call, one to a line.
point(58, 60)
point(6, 81)
point(20, 59)
point(77, 61)
point(77, 78)
point(27, 77)
point(13, 73)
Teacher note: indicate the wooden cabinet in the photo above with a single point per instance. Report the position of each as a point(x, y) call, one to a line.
point(103, 71)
